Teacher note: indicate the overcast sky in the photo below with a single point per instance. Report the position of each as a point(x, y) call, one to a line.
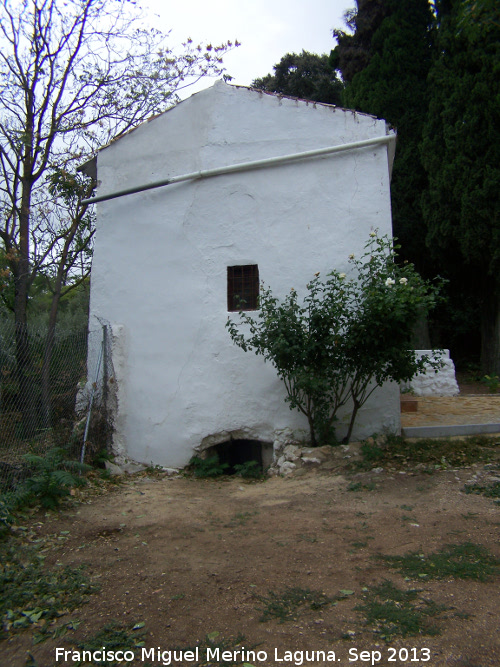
point(267, 29)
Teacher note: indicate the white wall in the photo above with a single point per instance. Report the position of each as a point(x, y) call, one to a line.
point(161, 258)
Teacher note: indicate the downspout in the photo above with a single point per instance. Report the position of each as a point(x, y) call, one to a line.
point(244, 166)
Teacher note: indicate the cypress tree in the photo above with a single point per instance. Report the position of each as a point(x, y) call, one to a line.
point(460, 151)
point(386, 63)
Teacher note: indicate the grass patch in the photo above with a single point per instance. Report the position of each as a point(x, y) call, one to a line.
point(31, 594)
point(437, 453)
point(458, 561)
point(358, 486)
point(491, 490)
point(392, 612)
point(242, 518)
point(114, 637)
point(286, 605)
point(117, 637)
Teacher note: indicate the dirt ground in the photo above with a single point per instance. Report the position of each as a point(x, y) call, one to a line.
point(191, 557)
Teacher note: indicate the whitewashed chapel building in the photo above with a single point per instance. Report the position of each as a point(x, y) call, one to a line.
point(169, 259)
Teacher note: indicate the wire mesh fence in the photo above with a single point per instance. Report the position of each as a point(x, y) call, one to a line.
point(47, 386)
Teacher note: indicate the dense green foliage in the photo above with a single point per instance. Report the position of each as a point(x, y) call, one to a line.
point(209, 467)
point(432, 70)
point(305, 75)
point(349, 335)
point(389, 80)
point(461, 154)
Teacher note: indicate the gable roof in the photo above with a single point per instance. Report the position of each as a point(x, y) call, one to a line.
point(220, 87)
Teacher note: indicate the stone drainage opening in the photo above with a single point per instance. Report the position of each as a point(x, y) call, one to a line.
point(238, 452)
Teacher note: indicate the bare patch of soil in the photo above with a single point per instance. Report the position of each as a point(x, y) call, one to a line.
point(470, 385)
point(189, 558)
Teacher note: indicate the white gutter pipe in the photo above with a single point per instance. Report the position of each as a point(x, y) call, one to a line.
point(244, 166)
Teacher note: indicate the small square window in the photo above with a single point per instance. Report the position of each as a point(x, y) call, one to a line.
point(243, 287)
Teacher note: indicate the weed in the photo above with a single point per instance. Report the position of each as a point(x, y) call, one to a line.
point(392, 612)
point(100, 457)
point(209, 467)
point(445, 452)
point(355, 486)
point(30, 593)
point(460, 561)
point(285, 606)
point(7, 507)
point(358, 486)
point(49, 632)
point(492, 382)
point(307, 538)
point(359, 545)
point(489, 490)
point(107, 476)
point(242, 518)
point(179, 596)
point(114, 637)
point(372, 452)
point(54, 476)
point(154, 470)
point(249, 470)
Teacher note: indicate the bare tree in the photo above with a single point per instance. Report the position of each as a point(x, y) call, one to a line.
point(73, 74)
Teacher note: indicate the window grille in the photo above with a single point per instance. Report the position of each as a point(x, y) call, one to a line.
point(243, 287)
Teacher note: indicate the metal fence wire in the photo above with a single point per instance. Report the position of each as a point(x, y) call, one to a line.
point(46, 391)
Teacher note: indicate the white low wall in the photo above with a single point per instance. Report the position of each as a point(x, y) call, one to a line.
point(442, 383)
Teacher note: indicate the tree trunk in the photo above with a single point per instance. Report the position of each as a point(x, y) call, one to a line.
point(47, 357)
point(27, 396)
point(355, 408)
point(490, 331)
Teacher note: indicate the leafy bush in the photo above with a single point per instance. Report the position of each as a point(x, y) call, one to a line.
point(248, 470)
point(372, 452)
point(209, 467)
point(492, 382)
point(7, 518)
point(54, 476)
point(348, 336)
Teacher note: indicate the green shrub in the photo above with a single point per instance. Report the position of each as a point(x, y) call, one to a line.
point(349, 335)
point(7, 518)
point(54, 476)
point(209, 467)
point(249, 469)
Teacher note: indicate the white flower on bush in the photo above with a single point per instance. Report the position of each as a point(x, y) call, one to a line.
point(341, 276)
point(351, 256)
point(390, 282)
point(403, 281)
point(373, 234)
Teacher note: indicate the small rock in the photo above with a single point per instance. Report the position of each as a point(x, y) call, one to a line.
point(113, 469)
point(310, 459)
point(291, 452)
point(171, 471)
point(287, 467)
point(131, 468)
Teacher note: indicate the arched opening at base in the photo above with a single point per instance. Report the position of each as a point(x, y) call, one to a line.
point(238, 452)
